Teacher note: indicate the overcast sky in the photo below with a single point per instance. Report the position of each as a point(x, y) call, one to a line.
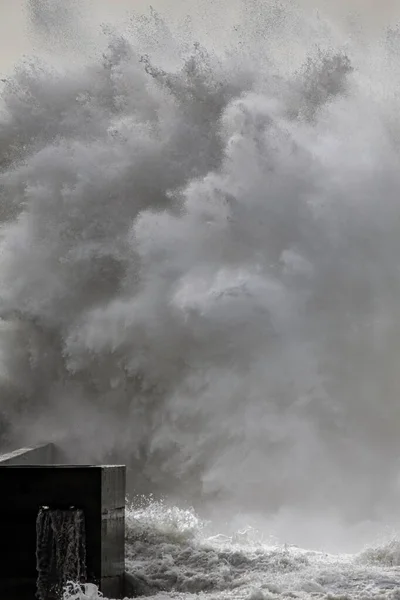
point(15, 26)
point(16, 38)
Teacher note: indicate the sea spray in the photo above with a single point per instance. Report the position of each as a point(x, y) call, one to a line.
point(199, 265)
point(75, 591)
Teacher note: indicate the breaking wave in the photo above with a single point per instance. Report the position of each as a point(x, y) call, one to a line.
point(172, 553)
point(200, 263)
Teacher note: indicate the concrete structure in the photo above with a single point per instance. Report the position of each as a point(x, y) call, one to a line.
point(46, 454)
point(29, 485)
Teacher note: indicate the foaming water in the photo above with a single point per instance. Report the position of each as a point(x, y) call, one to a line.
point(173, 553)
point(199, 266)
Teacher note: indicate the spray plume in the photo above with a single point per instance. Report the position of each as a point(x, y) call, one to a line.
point(200, 261)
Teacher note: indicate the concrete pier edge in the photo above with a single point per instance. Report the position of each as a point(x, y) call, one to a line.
point(37, 476)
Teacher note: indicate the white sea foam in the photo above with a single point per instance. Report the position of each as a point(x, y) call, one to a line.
point(172, 553)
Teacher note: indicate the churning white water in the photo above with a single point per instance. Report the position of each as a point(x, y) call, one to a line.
point(171, 553)
point(200, 277)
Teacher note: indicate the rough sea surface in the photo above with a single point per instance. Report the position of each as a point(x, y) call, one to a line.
point(171, 553)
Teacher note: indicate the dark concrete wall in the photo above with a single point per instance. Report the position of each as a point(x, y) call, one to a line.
point(112, 528)
point(99, 491)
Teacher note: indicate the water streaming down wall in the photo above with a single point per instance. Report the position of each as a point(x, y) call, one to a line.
point(60, 550)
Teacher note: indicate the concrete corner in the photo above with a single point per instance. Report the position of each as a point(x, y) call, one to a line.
point(29, 481)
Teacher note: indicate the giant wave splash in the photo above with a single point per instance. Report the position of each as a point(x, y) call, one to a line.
point(200, 263)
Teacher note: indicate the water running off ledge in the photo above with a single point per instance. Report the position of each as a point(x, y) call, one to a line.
point(60, 550)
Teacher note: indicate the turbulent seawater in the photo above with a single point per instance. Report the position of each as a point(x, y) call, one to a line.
point(171, 553)
point(200, 277)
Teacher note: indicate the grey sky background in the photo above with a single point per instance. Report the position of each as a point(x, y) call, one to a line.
point(16, 38)
point(17, 41)
point(13, 39)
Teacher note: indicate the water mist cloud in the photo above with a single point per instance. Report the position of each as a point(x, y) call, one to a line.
point(199, 268)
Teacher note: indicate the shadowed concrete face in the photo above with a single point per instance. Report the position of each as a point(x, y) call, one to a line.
point(98, 491)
